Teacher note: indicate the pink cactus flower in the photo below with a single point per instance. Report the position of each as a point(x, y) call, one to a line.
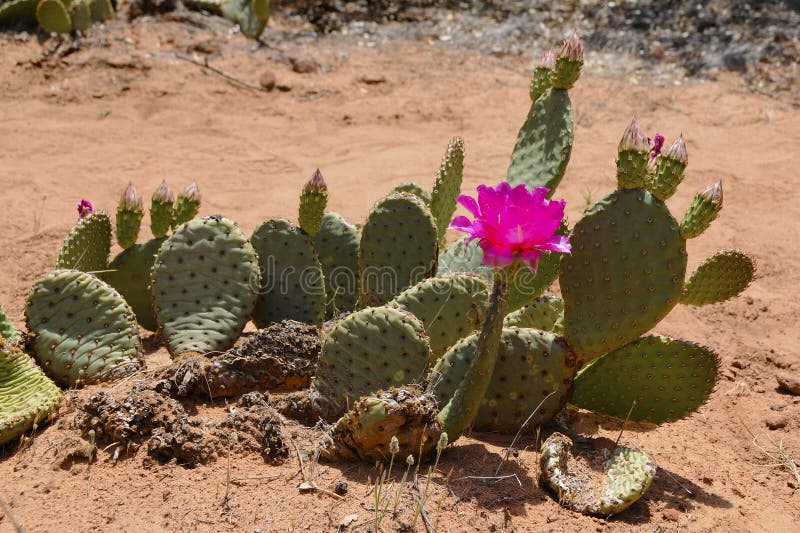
point(513, 223)
point(84, 208)
point(657, 144)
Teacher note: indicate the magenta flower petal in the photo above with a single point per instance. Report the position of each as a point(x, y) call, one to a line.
point(469, 203)
point(84, 208)
point(496, 255)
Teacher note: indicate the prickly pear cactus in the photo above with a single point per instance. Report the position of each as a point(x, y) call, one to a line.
point(250, 15)
point(667, 379)
point(447, 187)
point(81, 330)
point(161, 206)
point(27, 396)
point(7, 329)
point(16, 12)
point(413, 188)
point(604, 482)
point(720, 277)
point(371, 349)
point(545, 313)
point(450, 307)
point(399, 247)
point(87, 246)
point(53, 16)
point(292, 284)
point(204, 282)
point(186, 206)
point(102, 10)
point(129, 274)
point(464, 256)
point(704, 209)
point(313, 200)
point(336, 244)
point(129, 217)
point(81, 15)
point(534, 372)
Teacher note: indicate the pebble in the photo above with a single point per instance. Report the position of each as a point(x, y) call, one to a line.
point(267, 80)
point(302, 66)
point(776, 421)
point(673, 515)
point(789, 383)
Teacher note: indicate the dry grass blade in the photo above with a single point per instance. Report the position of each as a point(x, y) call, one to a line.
point(777, 454)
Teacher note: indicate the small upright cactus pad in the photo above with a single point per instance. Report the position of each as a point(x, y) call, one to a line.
point(81, 330)
point(313, 200)
point(129, 216)
point(102, 10)
point(186, 206)
point(250, 15)
point(399, 248)
point(668, 380)
point(161, 206)
point(27, 396)
point(87, 246)
point(447, 187)
point(336, 244)
point(81, 15)
point(624, 474)
point(374, 348)
point(720, 277)
point(204, 282)
point(53, 16)
point(129, 274)
point(7, 329)
point(415, 189)
point(704, 210)
point(544, 313)
point(451, 307)
point(292, 283)
point(668, 172)
point(544, 143)
point(531, 365)
point(625, 272)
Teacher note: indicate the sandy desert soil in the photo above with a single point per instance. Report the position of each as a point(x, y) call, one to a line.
point(128, 108)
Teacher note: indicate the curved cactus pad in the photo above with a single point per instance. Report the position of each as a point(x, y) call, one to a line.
point(399, 248)
point(87, 246)
point(668, 379)
point(365, 432)
point(15, 12)
point(53, 17)
point(451, 307)
point(129, 274)
point(720, 277)
point(544, 142)
point(7, 329)
point(292, 284)
point(82, 330)
point(371, 349)
point(625, 272)
point(601, 482)
point(533, 368)
point(413, 188)
point(336, 244)
point(545, 313)
point(447, 187)
point(27, 396)
point(204, 285)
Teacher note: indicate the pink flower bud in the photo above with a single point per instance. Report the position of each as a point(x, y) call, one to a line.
point(634, 139)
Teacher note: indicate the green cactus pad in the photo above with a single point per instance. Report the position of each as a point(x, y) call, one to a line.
point(7, 330)
point(540, 82)
point(87, 246)
point(398, 248)
point(185, 207)
point(27, 396)
point(545, 313)
point(336, 244)
point(463, 256)
point(371, 349)
point(705, 208)
point(16, 12)
point(292, 283)
point(413, 188)
point(531, 364)
point(102, 10)
point(625, 272)
point(81, 330)
point(81, 15)
point(129, 221)
point(450, 307)
point(313, 200)
point(668, 379)
point(597, 481)
point(204, 282)
point(53, 16)
point(447, 187)
point(129, 274)
point(666, 177)
point(720, 277)
point(544, 142)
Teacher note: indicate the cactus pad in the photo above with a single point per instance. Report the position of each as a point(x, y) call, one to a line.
point(129, 274)
point(531, 365)
point(16, 12)
point(53, 16)
point(204, 285)
point(720, 277)
point(27, 396)
point(81, 15)
point(447, 187)
point(292, 283)
point(399, 248)
point(464, 256)
point(374, 348)
point(336, 244)
point(7, 330)
point(544, 142)
point(102, 10)
point(599, 482)
point(87, 246)
point(625, 272)
point(668, 379)
point(450, 307)
point(545, 313)
point(81, 330)
point(413, 188)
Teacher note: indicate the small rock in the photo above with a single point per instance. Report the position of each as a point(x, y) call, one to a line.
point(283, 87)
point(267, 80)
point(789, 383)
point(778, 361)
point(341, 488)
point(372, 79)
point(673, 515)
point(776, 421)
point(738, 363)
point(302, 66)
